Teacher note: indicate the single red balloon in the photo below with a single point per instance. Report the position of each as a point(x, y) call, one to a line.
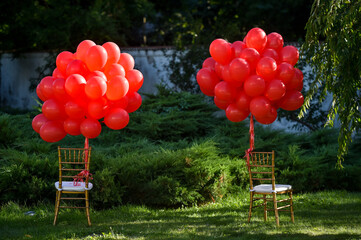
point(251, 56)
point(96, 57)
point(52, 131)
point(53, 110)
point(289, 54)
point(234, 114)
point(260, 106)
point(243, 101)
point(274, 41)
point(269, 118)
point(207, 79)
point(127, 61)
point(256, 38)
point(225, 91)
point(74, 110)
point(97, 108)
point(76, 66)
point(267, 68)
point(90, 128)
point(118, 87)
point(275, 90)
point(114, 70)
point(239, 69)
point(40, 94)
point(95, 87)
point(113, 52)
point(57, 74)
point(218, 68)
point(74, 85)
point(116, 119)
point(72, 126)
point(254, 86)
point(221, 51)
point(46, 86)
point(82, 49)
point(38, 121)
point(285, 72)
point(62, 61)
point(237, 47)
point(209, 63)
point(296, 82)
point(292, 100)
point(134, 102)
point(135, 79)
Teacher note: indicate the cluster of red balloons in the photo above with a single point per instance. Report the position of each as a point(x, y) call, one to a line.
point(96, 83)
point(256, 75)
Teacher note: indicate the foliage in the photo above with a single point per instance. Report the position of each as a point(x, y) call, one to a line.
point(332, 47)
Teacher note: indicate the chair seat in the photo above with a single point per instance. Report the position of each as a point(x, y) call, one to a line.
point(267, 188)
point(69, 186)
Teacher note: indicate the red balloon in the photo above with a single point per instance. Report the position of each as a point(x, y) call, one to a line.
point(237, 47)
point(97, 108)
point(296, 82)
point(59, 90)
point(116, 119)
point(97, 74)
point(74, 85)
point(134, 102)
point(266, 68)
point(234, 114)
point(74, 110)
point(127, 61)
point(82, 49)
point(57, 74)
point(40, 94)
point(289, 54)
point(114, 70)
point(285, 72)
point(218, 68)
point(52, 131)
point(38, 121)
point(72, 126)
point(76, 66)
point(90, 128)
point(62, 61)
point(220, 103)
point(207, 80)
point(292, 100)
point(46, 87)
point(95, 87)
point(209, 63)
point(251, 56)
point(239, 69)
point(243, 101)
point(118, 87)
point(225, 91)
point(226, 74)
point(254, 86)
point(96, 57)
point(135, 79)
point(53, 110)
point(256, 38)
point(260, 106)
point(274, 41)
point(275, 90)
point(113, 52)
point(221, 51)
point(269, 52)
point(269, 118)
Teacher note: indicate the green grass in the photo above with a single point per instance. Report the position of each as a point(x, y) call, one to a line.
point(322, 215)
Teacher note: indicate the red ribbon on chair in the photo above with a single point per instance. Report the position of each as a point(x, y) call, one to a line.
point(251, 139)
point(84, 173)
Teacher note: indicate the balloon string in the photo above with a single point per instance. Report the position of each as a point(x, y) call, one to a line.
point(251, 139)
point(85, 173)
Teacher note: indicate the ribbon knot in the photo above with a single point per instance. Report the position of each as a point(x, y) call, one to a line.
point(79, 178)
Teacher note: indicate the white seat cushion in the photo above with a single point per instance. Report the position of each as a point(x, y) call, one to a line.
point(70, 186)
point(267, 188)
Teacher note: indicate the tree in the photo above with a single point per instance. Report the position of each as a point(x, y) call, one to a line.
point(332, 47)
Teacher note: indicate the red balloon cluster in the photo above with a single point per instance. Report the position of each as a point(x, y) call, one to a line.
point(256, 75)
point(94, 83)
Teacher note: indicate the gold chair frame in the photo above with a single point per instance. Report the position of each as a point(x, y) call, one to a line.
point(73, 163)
point(261, 168)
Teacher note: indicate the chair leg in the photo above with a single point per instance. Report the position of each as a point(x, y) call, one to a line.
point(291, 203)
point(265, 207)
point(250, 207)
point(276, 210)
point(57, 204)
point(87, 207)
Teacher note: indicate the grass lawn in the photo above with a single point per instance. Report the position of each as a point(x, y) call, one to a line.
point(322, 215)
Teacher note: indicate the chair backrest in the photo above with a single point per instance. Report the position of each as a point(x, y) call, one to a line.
point(74, 164)
point(261, 168)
